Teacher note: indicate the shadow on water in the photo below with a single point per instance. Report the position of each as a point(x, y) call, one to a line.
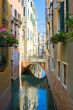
point(15, 94)
point(35, 93)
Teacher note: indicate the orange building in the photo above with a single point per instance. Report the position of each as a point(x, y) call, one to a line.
point(5, 59)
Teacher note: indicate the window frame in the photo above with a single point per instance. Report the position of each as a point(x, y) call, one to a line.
point(59, 70)
point(64, 85)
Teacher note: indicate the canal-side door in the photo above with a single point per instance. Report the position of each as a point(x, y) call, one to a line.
point(15, 63)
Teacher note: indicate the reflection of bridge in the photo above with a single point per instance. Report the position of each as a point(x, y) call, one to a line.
point(41, 61)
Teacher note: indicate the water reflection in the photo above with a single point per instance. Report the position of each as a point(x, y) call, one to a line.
point(29, 99)
point(32, 92)
point(37, 71)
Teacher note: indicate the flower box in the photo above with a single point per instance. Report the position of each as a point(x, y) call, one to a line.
point(7, 39)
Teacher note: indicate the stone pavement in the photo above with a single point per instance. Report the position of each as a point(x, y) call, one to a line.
point(61, 97)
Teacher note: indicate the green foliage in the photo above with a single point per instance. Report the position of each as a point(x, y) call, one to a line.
point(70, 36)
point(69, 22)
point(55, 38)
point(62, 37)
point(7, 39)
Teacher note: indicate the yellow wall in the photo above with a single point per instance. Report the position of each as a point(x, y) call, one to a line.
point(9, 16)
point(5, 86)
point(0, 12)
point(6, 15)
point(5, 80)
point(5, 75)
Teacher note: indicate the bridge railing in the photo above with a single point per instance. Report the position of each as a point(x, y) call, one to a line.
point(37, 58)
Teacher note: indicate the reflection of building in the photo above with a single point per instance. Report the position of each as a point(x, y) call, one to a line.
point(32, 98)
point(30, 20)
point(28, 98)
point(62, 53)
point(37, 71)
point(5, 63)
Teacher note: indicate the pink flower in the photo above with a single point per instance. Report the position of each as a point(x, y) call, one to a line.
point(3, 30)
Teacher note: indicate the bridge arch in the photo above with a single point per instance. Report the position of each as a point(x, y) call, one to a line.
point(27, 64)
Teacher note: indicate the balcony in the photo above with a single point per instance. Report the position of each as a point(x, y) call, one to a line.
point(17, 21)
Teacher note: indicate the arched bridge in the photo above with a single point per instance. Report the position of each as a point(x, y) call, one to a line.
point(40, 61)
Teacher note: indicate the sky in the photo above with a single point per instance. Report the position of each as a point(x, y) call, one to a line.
point(40, 11)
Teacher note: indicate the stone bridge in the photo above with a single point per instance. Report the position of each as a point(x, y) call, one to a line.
point(42, 62)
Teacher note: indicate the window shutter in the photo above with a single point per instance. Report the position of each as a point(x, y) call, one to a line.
point(62, 17)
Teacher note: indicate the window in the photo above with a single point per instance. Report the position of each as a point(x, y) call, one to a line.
point(62, 17)
point(19, 16)
point(59, 66)
point(28, 13)
point(11, 11)
point(28, 33)
point(31, 17)
point(31, 35)
point(23, 2)
point(3, 57)
point(64, 74)
point(31, 4)
point(59, 21)
point(24, 11)
point(15, 12)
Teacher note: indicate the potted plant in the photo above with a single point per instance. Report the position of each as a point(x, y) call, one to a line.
point(59, 37)
point(69, 23)
point(62, 37)
point(7, 39)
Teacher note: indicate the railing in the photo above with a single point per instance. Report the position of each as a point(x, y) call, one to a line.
point(40, 56)
point(37, 58)
point(17, 21)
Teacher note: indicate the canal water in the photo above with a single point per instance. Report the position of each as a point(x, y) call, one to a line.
point(31, 91)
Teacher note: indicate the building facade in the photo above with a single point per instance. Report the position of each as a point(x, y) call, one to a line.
point(30, 20)
point(17, 28)
point(62, 52)
point(5, 62)
point(62, 72)
point(40, 45)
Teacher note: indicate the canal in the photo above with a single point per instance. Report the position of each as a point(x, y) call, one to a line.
point(31, 91)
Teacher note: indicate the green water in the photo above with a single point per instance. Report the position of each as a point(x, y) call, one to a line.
point(32, 93)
